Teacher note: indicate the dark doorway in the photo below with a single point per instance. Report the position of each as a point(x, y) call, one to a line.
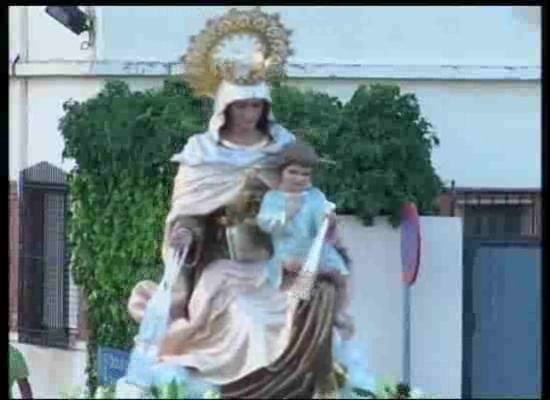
point(43, 262)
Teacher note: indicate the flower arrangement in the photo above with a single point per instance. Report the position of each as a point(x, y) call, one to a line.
point(177, 391)
point(390, 391)
point(170, 391)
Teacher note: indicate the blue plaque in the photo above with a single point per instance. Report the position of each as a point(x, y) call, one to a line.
point(111, 365)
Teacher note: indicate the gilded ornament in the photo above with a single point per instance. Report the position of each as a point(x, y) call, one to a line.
point(204, 70)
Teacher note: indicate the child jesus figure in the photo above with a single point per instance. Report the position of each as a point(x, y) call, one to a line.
point(293, 214)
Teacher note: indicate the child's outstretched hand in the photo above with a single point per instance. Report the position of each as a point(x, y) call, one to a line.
point(292, 265)
point(331, 231)
point(331, 216)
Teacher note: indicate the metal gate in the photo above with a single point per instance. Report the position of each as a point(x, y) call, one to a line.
point(502, 296)
point(43, 261)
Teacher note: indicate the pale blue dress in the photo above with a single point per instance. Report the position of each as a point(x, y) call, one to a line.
point(294, 237)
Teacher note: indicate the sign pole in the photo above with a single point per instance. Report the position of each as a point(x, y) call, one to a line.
point(410, 260)
point(406, 334)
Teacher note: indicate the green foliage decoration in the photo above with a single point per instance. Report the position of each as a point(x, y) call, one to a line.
point(380, 145)
point(120, 190)
point(122, 141)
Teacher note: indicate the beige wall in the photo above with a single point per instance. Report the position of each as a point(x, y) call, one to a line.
point(436, 310)
point(52, 371)
point(436, 302)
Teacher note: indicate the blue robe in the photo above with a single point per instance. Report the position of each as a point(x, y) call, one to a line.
point(294, 237)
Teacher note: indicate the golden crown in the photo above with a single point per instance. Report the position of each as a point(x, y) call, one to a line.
point(243, 47)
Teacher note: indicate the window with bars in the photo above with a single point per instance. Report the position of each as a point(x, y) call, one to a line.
point(499, 220)
point(496, 214)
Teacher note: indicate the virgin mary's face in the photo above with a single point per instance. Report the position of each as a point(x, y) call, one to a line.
point(245, 114)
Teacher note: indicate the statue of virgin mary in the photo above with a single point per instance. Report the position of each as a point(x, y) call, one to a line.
point(228, 326)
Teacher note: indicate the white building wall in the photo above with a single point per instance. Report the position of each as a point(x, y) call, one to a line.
point(495, 125)
point(15, 128)
point(46, 38)
point(14, 26)
point(376, 293)
point(482, 97)
point(436, 310)
point(384, 35)
point(435, 305)
point(45, 108)
point(46, 98)
point(52, 372)
point(490, 132)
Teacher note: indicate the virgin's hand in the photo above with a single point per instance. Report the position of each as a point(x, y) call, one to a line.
point(180, 237)
point(331, 220)
point(140, 296)
point(330, 237)
point(292, 265)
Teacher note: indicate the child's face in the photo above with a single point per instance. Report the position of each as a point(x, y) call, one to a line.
point(295, 178)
